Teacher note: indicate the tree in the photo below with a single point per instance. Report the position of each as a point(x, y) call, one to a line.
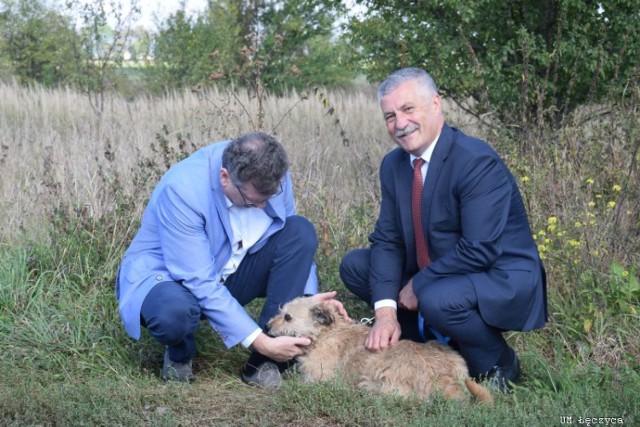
point(100, 46)
point(235, 39)
point(302, 42)
point(526, 61)
point(37, 43)
point(173, 54)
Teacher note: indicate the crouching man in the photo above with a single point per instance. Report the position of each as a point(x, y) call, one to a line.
point(220, 230)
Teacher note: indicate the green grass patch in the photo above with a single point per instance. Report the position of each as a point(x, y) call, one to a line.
point(67, 361)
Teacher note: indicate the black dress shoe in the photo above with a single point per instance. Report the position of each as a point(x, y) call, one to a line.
point(264, 372)
point(499, 378)
point(266, 375)
point(261, 371)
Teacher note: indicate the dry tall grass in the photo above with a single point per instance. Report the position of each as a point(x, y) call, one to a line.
point(53, 146)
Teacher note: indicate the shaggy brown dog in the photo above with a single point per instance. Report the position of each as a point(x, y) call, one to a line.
point(337, 348)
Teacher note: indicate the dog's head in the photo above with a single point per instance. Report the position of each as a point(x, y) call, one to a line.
point(303, 317)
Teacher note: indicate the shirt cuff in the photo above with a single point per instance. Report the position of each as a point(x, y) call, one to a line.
point(385, 303)
point(246, 343)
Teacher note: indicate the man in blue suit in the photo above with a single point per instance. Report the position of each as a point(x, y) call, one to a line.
point(481, 274)
point(220, 230)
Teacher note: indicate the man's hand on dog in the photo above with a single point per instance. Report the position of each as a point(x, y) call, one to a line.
point(280, 349)
point(385, 332)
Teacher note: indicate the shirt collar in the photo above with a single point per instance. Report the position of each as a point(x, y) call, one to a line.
point(426, 156)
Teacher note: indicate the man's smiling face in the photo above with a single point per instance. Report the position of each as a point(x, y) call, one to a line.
point(413, 116)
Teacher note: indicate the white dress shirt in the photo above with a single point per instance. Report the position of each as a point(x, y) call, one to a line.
point(247, 225)
point(426, 156)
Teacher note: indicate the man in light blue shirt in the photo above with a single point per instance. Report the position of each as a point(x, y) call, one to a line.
point(220, 230)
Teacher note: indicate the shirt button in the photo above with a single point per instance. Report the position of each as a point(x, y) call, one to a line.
point(159, 277)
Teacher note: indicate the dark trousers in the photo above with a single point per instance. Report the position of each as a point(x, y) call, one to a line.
point(278, 272)
point(450, 305)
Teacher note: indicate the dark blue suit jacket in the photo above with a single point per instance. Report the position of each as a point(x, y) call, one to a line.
point(476, 227)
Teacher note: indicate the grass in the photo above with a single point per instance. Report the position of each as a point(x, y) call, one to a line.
point(72, 189)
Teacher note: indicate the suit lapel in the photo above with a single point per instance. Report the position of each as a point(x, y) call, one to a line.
point(276, 211)
point(440, 153)
point(221, 205)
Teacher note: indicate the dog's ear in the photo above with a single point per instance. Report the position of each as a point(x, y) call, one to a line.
point(322, 314)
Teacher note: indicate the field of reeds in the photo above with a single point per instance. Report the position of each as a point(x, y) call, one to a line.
point(73, 186)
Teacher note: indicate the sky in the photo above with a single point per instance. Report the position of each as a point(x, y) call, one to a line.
point(152, 9)
point(164, 8)
point(156, 11)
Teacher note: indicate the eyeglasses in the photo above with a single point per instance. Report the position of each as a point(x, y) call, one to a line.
point(254, 204)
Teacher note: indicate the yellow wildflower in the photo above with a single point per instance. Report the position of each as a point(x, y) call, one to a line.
point(589, 181)
point(524, 179)
point(617, 188)
point(611, 204)
point(591, 204)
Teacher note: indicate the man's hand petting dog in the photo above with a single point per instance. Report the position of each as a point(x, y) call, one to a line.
point(283, 349)
point(280, 349)
point(385, 332)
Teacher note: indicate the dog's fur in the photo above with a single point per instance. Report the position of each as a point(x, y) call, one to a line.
point(337, 348)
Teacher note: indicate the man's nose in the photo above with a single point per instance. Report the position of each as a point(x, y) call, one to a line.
point(402, 120)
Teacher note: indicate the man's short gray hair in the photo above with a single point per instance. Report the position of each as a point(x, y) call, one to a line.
point(418, 75)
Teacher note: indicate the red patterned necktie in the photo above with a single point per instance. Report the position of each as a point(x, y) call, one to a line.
point(422, 251)
point(416, 212)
